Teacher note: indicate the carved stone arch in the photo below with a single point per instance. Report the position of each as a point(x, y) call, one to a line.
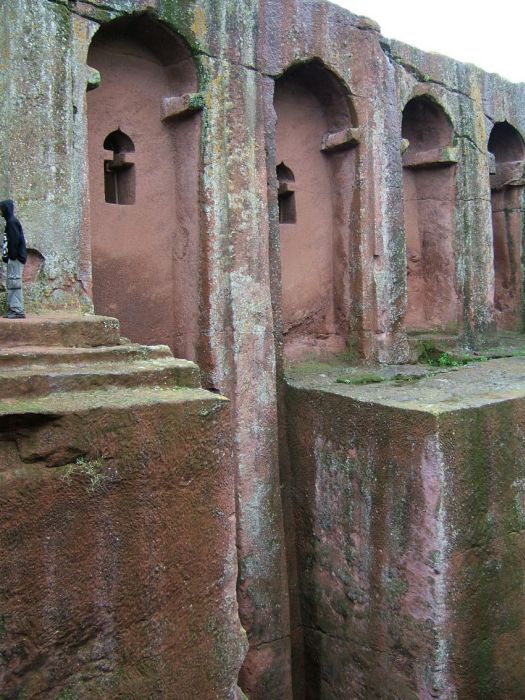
point(119, 170)
point(429, 187)
point(316, 139)
point(506, 154)
point(426, 125)
point(506, 143)
point(143, 134)
point(118, 142)
point(286, 195)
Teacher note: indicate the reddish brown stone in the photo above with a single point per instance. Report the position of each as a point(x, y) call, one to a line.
point(144, 217)
point(60, 329)
point(507, 147)
point(117, 536)
point(407, 508)
point(200, 261)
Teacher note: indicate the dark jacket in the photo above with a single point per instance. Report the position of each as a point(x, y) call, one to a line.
point(14, 247)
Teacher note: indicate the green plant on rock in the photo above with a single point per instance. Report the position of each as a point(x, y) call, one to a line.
point(432, 356)
point(448, 360)
point(91, 469)
point(68, 694)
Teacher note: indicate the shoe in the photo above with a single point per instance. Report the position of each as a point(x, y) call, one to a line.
point(12, 315)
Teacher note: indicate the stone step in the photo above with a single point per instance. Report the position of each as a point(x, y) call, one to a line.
point(79, 401)
point(166, 372)
point(60, 329)
point(58, 429)
point(29, 357)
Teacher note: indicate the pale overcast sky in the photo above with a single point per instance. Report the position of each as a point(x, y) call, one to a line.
point(489, 34)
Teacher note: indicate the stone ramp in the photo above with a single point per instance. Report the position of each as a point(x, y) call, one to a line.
point(117, 541)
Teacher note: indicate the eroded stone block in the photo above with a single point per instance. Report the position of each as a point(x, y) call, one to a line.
point(510, 174)
point(180, 106)
point(408, 502)
point(428, 159)
point(117, 531)
point(346, 138)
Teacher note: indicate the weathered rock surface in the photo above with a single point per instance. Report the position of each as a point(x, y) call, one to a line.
point(117, 530)
point(407, 510)
point(68, 330)
point(221, 275)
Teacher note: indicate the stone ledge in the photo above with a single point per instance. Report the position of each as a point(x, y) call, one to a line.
point(23, 356)
point(78, 401)
point(43, 381)
point(508, 175)
point(180, 105)
point(433, 158)
point(340, 140)
point(440, 392)
point(60, 329)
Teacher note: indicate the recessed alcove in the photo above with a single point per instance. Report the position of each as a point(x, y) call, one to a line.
point(145, 255)
point(316, 143)
point(506, 163)
point(429, 186)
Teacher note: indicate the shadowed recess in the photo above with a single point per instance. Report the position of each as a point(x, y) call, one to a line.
point(315, 196)
point(429, 187)
point(506, 163)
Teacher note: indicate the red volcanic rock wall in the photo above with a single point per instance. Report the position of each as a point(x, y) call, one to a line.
point(507, 153)
point(363, 485)
point(306, 241)
point(144, 239)
point(118, 567)
point(316, 201)
point(429, 184)
point(207, 200)
point(407, 508)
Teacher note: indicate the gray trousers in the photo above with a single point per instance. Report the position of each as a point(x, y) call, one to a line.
point(13, 285)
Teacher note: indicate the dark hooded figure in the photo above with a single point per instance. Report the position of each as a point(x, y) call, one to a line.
point(14, 253)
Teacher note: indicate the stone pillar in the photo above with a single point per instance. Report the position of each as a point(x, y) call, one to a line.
point(42, 154)
point(240, 358)
point(474, 262)
point(382, 250)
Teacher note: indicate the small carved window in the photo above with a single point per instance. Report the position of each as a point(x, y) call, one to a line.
point(286, 195)
point(119, 172)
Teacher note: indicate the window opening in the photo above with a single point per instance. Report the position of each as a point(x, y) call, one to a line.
point(286, 195)
point(119, 172)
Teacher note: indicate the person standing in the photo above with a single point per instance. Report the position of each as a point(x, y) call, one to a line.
point(14, 253)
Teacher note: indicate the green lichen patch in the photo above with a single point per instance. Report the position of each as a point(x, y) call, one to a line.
point(359, 379)
point(401, 378)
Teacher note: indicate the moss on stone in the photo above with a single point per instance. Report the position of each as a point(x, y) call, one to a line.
point(358, 379)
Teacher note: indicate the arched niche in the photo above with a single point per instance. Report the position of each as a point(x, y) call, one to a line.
point(316, 139)
point(429, 193)
point(286, 195)
point(119, 171)
point(143, 181)
point(506, 164)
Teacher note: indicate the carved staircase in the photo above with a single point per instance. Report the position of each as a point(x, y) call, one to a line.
point(59, 354)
